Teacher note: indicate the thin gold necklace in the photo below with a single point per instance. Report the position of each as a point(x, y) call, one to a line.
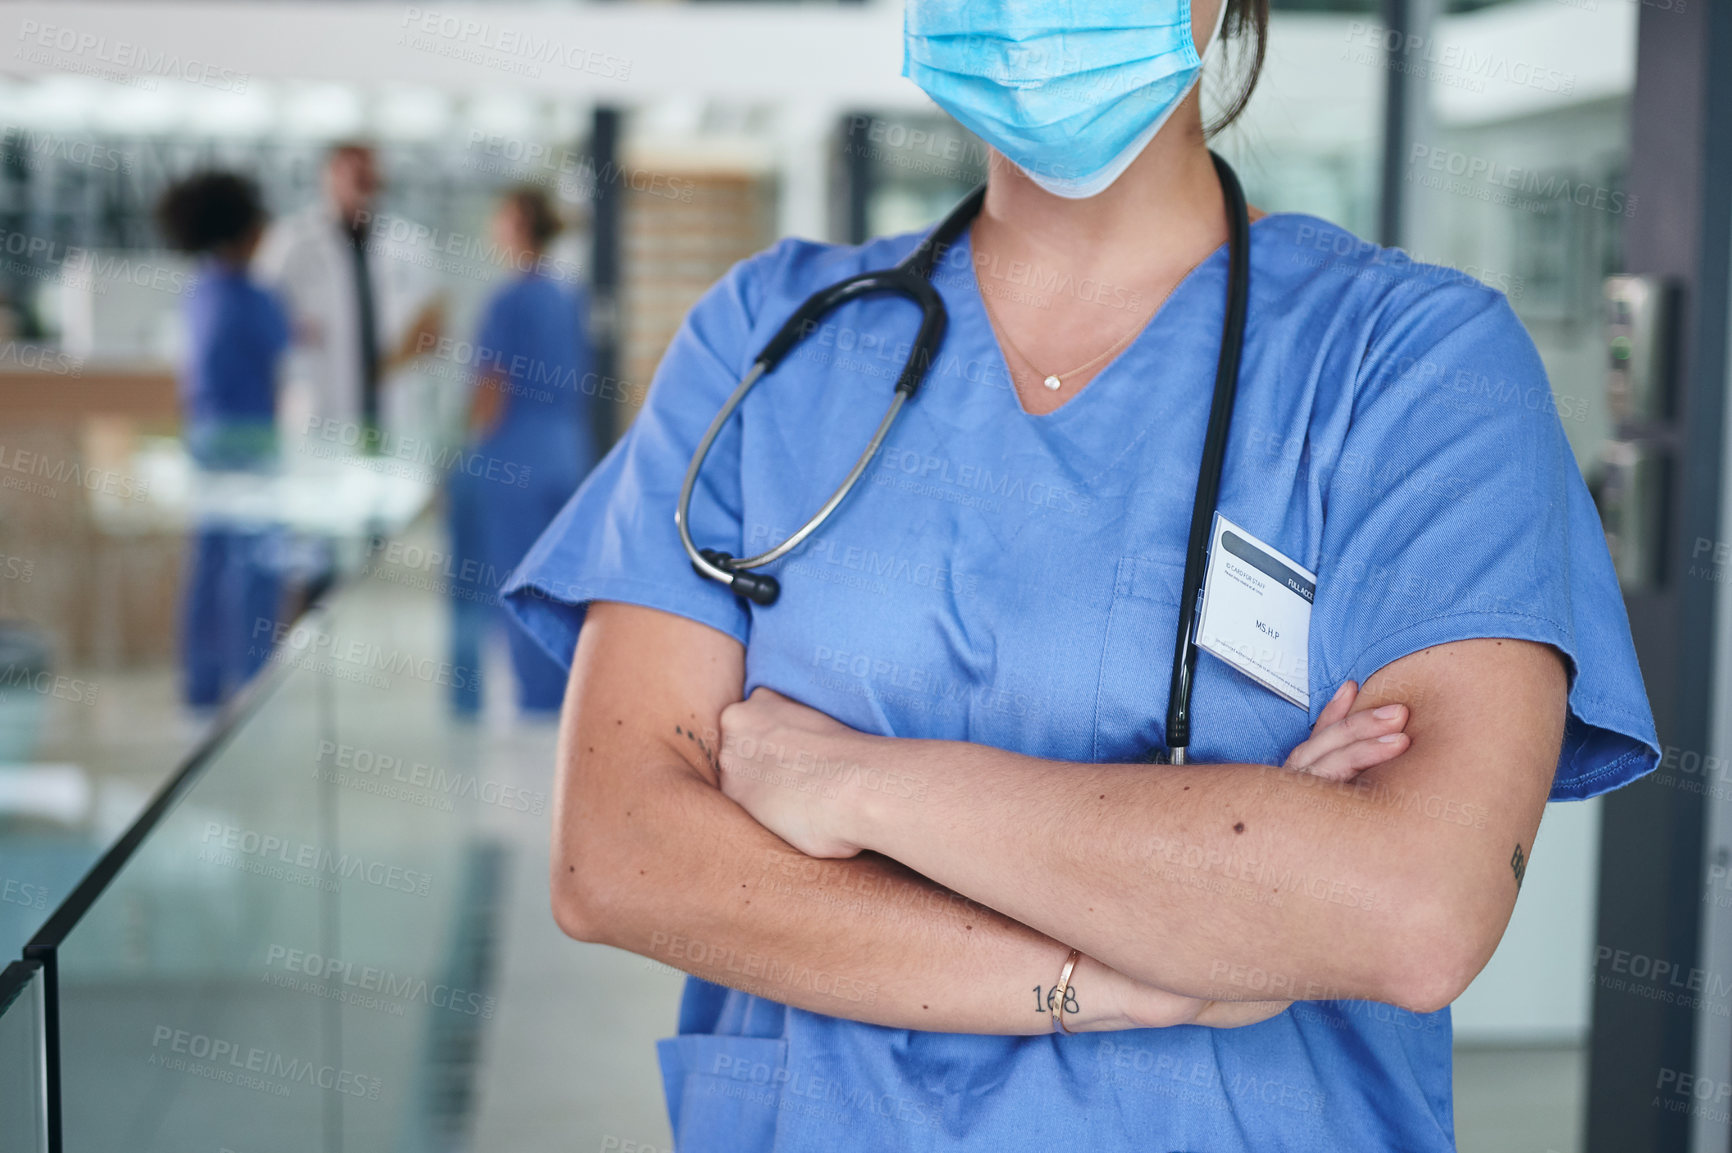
point(1055, 380)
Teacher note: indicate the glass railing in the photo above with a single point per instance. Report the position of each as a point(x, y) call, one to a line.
point(331, 930)
point(23, 1064)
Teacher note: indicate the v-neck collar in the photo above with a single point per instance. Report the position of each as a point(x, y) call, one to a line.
point(979, 318)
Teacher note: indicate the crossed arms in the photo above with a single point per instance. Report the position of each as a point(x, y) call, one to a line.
point(1205, 894)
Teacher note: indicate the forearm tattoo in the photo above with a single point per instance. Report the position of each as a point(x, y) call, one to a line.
point(703, 745)
point(1044, 999)
point(1519, 865)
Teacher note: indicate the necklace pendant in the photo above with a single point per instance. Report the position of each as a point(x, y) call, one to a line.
point(1053, 383)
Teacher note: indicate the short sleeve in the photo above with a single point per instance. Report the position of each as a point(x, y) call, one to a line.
point(615, 539)
point(1455, 510)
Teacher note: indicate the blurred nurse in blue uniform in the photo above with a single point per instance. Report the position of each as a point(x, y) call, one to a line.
point(529, 444)
point(236, 333)
point(901, 826)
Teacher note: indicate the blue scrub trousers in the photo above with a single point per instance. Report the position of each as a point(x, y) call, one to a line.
point(228, 612)
point(492, 526)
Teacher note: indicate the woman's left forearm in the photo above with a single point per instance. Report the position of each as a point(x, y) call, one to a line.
point(1216, 881)
point(1228, 882)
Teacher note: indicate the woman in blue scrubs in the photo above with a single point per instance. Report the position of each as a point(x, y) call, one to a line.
point(529, 446)
point(878, 820)
point(236, 335)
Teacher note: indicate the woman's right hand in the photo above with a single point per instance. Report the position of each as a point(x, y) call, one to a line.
point(1341, 746)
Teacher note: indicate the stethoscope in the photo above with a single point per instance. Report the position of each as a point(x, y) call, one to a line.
point(911, 278)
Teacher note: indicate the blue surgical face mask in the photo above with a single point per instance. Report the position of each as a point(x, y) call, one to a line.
point(1071, 91)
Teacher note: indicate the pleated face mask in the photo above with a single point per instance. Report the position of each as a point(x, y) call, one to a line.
point(1071, 91)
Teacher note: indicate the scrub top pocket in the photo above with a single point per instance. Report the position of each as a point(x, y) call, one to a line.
point(1137, 657)
point(723, 1092)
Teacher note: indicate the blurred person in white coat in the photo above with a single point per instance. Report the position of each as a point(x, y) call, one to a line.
point(362, 306)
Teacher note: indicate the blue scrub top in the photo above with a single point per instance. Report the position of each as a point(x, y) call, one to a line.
point(236, 331)
point(533, 334)
point(1013, 580)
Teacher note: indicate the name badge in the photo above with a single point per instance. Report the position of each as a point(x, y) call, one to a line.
point(1257, 611)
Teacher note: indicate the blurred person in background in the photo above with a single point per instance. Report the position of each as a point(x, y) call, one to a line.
point(361, 310)
point(236, 334)
point(529, 444)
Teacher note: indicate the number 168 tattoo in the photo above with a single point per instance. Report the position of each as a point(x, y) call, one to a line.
point(1070, 1001)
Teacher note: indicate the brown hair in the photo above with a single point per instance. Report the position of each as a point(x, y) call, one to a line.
point(1246, 24)
point(536, 211)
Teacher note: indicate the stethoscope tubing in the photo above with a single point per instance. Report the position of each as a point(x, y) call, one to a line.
point(1178, 730)
point(911, 278)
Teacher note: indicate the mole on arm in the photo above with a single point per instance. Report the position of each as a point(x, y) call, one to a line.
point(1240, 827)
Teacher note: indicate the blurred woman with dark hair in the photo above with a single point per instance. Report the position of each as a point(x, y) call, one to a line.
point(529, 444)
point(236, 334)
